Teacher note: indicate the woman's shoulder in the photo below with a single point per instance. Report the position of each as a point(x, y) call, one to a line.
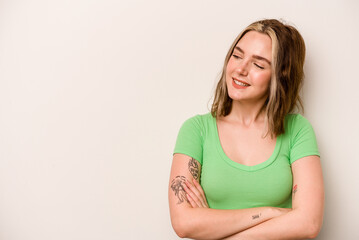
point(301, 137)
point(295, 122)
point(199, 123)
point(200, 119)
point(295, 119)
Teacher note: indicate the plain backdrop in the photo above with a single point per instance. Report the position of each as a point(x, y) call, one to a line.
point(93, 93)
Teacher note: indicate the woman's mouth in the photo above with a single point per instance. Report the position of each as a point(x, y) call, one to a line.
point(239, 84)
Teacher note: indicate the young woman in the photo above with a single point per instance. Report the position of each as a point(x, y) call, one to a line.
point(250, 169)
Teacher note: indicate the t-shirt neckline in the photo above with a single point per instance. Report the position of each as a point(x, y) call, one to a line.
point(237, 165)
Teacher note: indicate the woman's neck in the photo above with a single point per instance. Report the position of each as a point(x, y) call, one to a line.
point(247, 114)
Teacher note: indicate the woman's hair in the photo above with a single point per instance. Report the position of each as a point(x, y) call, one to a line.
point(288, 54)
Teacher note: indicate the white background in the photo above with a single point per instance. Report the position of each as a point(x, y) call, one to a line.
point(93, 92)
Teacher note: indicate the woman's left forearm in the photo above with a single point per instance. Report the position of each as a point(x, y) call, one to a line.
point(305, 220)
point(295, 224)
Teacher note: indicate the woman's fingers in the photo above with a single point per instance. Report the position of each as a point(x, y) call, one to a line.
point(191, 197)
point(190, 191)
point(200, 189)
point(191, 201)
point(196, 189)
point(197, 196)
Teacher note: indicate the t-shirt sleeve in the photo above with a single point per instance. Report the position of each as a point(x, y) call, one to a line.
point(190, 139)
point(304, 142)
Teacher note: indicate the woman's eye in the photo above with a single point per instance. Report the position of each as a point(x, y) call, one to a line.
point(236, 56)
point(258, 66)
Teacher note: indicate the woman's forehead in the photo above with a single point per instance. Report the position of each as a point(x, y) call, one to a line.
point(255, 43)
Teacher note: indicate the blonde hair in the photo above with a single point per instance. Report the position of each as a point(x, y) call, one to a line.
point(288, 54)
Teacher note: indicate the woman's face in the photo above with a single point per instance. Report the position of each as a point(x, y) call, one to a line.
point(248, 71)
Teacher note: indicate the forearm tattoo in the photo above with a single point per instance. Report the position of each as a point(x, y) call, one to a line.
point(177, 187)
point(193, 168)
point(295, 189)
point(256, 216)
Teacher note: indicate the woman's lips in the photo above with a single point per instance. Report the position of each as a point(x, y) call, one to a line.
point(239, 84)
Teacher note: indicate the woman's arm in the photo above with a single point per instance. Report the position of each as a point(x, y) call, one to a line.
point(306, 218)
point(203, 222)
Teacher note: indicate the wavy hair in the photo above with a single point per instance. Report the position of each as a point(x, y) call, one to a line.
point(288, 54)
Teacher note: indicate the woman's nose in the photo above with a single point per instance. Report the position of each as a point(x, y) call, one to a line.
point(242, 68)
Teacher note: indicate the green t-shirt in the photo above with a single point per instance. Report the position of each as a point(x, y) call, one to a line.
point(230, 185)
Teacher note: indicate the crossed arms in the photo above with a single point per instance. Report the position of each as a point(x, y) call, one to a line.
point(191, 217)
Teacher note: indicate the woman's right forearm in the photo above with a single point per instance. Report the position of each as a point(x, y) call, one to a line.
point(206, 223)
point(193, 219)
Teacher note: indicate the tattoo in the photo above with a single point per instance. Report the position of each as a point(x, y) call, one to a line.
point(193, 168)
point(177, 187)
point(295, 188)
point(256, 216)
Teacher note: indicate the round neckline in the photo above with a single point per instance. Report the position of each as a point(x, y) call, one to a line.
point(237, 165)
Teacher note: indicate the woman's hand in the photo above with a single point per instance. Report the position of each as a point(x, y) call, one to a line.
point(195, 194)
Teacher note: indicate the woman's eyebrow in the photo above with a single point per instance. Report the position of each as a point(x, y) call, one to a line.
point(254, 56)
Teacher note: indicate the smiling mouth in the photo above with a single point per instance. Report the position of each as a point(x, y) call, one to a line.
point(240, 83)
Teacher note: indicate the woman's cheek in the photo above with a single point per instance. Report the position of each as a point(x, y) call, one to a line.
point(263, 77)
